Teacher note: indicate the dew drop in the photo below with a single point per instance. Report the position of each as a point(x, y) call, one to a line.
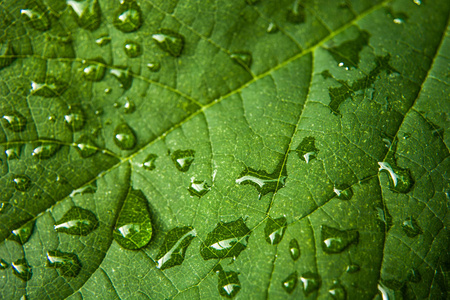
point(21, 182)
point(23, 233)
point(75, 118)
point(45, 150)
point(343, 192)
point(132, 49)
point(67, 263)
point(198, 188)
point(335, 240)
point(242, 58)
point(86, 146)
point(347, 53)
point(274, 230)
point(77, 221)
point(352, 268)
point(311, 282)
point(7, 55)
point(172, 251)
point(48, 89)
point(294, 249)
point(13, 151)
point(14, 121)
point(272, 28)
point(296, 14)
point(307, 150)
point(400, 180)
point(384, 217)
point(183, 159)
point(337, 291)
point(414, 275)
point(129, 106)
point(290, 283)
point(87, 13)
point(22, 269)
point(124, 137)
point(90, 188)
point(228, 284)
point(154, 66)
point(149, 162)
point(94, 69)
point(133, 228)
point(411, 227)
point(3, 264)
point(35, 16)
point(123, 75)
point(169, 41)
point(417, 2)
point(128, 17)
point(103, 40)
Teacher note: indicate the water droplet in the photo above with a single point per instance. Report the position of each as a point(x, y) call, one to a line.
point(228, 284)
point(86, 146)
point(296, 14)
point(335, 240)
point(129, 106)
point(13, 151)
point(386, 292)
point(149, 162)
point(4, 206)
point(290, 283)
point(124, 137)
point(123, 75)
point(133, 229)
point(172, 251)
point(103, 40)
point(67, 263)
point(414, 275)
point(14, 121)
point(337, 291)
point(400, 180)
point(128, 17)
point(311, 282)
point(132, 49)
point(352, 268)
point(7, 55)
point(294, 249)
point(23, 233)
point(35, 16)
point(94, 69)
point(417, 2)
point(226, 240)
point(411, 227)
point(384, 217)
point(307, 150)
point(77, 221)
point(343, 192)
point(45, 150)
point(274, 230)
point(397, 17)
point(199, 188)
point(183, 159)
point(272, 28)
point(3, 264)
point(87, 13)
point(347, 53)
point(74, 118)
point(90, 188)
point(169, 41)
point(22, 269)
point(48, 89)
point(242, 58)
point(21, 182)
point(154, 66)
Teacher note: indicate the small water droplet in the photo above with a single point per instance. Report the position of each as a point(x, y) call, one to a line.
point(294, 249)
point(67, 263)
point(335, 240)
point(242, 58)
point(183, 159)
point(93, 69)
point(90, 188)
point(123, 75)
point(400, 180)
point(228, 284)
point(77, 221)
point(86, 146)
point(129, 106)
point(133, 228)
point(311, 282)
point(307, 150)
point(347, 53)
point(21, 182)
point(132, 49)
point(128, 17)
point(149, 162)
point(414, 275)
point(272, 28)
point(50, 88)
point(352, 268)
point(337, 291)
point(87, 13)
point(13, 151)
point(296, 14)
point(14, 121)
point(397, 17)
point(7, 55)
point(75, 118)
point(274, 230)
point(45, 149)
point(290, 283)
point(4, 206)
point(343, 191)
point(107, 91)
point(226, 240)
point(23, 233)
point(417, 2)
point(198, 188)
point(384, 217)
point(22, 269)
point(35, 16)
point(172, 251)
point(169, 41)
point(154, 66)
point(124, 137)
point(3, 264)
point(103, 40)
point(411, 227)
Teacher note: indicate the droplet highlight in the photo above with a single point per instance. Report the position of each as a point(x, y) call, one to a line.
point(169, 41)
point(294, 249)
point(14, 121)
point(410, 227)
point(335, 240)
point(50, 88)
point(198, 188)
point(124, 137)
point(311, 282)
point(337, 291)
point(228, 283)
point(13, 151)
point(307, 150)
point(242, 58)
point(94, 69)
point(103, 40)
point(87, 13)
point(400, 180)
point(296, 14)
point(3, 264)
point(123, 76)
point(172, 251)
point(132, 49)
point(77, 221)
point(347, 53)
point(86, 146)
point(21, 182)
point(35, 16)
point(45, 150)
point(67, 263)
point(128, 17)
point(274, 230)
point(352, 268)
point(290, 283)
point(75, 118)
point(23, 233)
point(183, 159)
point(343, 191)
point(22, 269)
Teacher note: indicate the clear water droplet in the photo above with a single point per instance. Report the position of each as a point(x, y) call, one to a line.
point(132, 49)
point(198, 188)
point(154, 66)
point(86, 146)
point(411, 227)
point(337, 291)
point(311, 282)
point(400, 180)
point(75, 118)
point(172, 251)
point(103, 40)
point(23, 233)
point(93, 69)
point(14, 121)
point(21, 182)
point(397, 17)
point(274, 230)
point(343, 192)
point(169, 41)
point(123, 75)
point(296, 14)
point(242, 58)
point(13, 151)
point(417, 2)
point(90, 188)
point(50, 88)
point(35, 16)
point(128, 17)
point(335, 240)
point(3, 264)
point(149, 162)
point(77, 221)
point(272, 28)
point(129, 106)
point(294, 249)
point(22, 269)
point(290, 283)
point(307, 150)
point(67, 263)
point(414, 275)
point(124, 137)
point(183, 159)
point(352, 268)
point(384, 217)
point(347, 53)
point(228, 284)
point(45, 149)
point(87, 13)
point(7, 55)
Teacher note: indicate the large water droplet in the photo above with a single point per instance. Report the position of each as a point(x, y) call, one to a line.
point(124, 137)
point(133, 229)
point(13, 151)
point(3, 264)
point(307, 150)
point(45, 150)
point(132, 49)
point(172, 251)
point(50, 88)
point(198, 188)
point(337, 291)
point(411, 227)
point(347, 53)
point(22, 269)
point(77, 221)
point(274, 230)
point(183, 159)
point(290, 283)
point(296, 14)
point(7, 55)
point(103, 40)
point(149, 162)
point(75, 118)
point(226, 240)
point(23, 233)
point(35, 16)
point(86, 146)
point(335, 240)
point(228, 284)
point(343, 192)
point(123, 75)
point(14, 121)
point(67, 263)
point(21, 182)
point(352, 268)
point(87, 13)
point(294, 249)
point(242, 58)
point(128, 17)
point(311, 282)
point(94, 69)
point(400, 180)
point(169, 41)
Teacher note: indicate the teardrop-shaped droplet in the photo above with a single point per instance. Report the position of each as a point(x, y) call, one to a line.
point(335, 240)
point(129, 106)
point(35, 16)
point(75, 118)
point(290, 283)
point(296, 14)
point(169, 41)
point(242, 58)
point(294, 249)
point(124, 137)
point(414, 275)
point(307, 150)
point(50, 88)
point(133, 229)
point(199, 188)
point(226, 240)
point(311, 282)
point(149, 162)
point(22, 269)
point(154, 66)
point(352, 268)
point(77, 221)
point(86, 146)
point(3, 264)
point(128, 17)
point(172, 251)
point(13, 151)
point(67, 263)
point(274, 230)
point(229, 284)
point(23, 233)
point(45, 150)
point(94, 69)
point(123, 75)
point(4, 206)
point(21, 182)
point(103, 40)
point(183, 159)
point(14, 121)
point(411, 227)
point(7, 55)
point(132, 49)
point(337, 291)
point(272, 28)
point(87, 13)
point(400, 180)
point(343, 192)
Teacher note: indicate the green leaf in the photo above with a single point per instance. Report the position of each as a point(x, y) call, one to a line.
point(244, 149)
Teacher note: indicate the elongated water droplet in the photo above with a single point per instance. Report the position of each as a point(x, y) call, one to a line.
point(290, 283)
point(149, 162)
point(352, 268)
point(48, 89)
point(132, 49)
point(14, 121)
point(199, 188)
point(296, 14)
point(77, 221)
point(67, 263)
point(4, 206)
point(335, 240)
point(128, 17)
point(417, 2)
point(7, 55)
point(133, 229)
point(75, 118)
point(154, 66)
point(86, 146)
point(294, 249)
point(169, 41)
point(183, 159)
point(226, 240)
point(228, 284)
point(414, 275)
point(411, 227)
point(93, 69)
point(22, 269)
point(35, 16)
point(347, 53)
point(343, 192)
point(124, 137)
point(21, 182)
point(3, 264)
point(103, 40)
point(274, 230)
point(311, 282)
point(123, 75)
point(272, 28)
point(129, 106)
point(242, 58)
point(13, 151)
point(337, 291)
point(45, 150)
point(90, 188)
point(400, 180)
point(87, 13)
point(172, 251)
point(23, 233)
point(307, 150)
